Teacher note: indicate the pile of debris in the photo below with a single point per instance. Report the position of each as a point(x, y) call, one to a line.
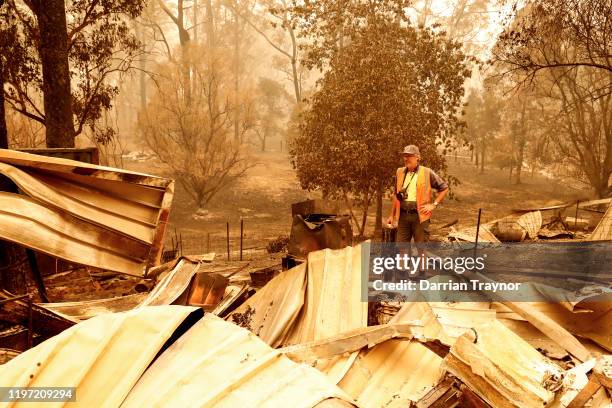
point(305, 340)
point(203, 334)
point(528, 224)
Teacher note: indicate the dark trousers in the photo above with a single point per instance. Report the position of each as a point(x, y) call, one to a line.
point(409, 227)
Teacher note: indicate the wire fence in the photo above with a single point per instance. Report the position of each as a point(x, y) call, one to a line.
point(198, 243)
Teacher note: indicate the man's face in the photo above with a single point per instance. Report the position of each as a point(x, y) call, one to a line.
point(410, 161)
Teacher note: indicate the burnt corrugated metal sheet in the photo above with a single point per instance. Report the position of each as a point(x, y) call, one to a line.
point(395, 373)
point(218, 364)
point(603, 231)
point(167, 356)
point(271, 312)
point(102, 357)
point(86, 309)
point(333, 296)
point(93, 215)
point(313, 301)
point(170, 287)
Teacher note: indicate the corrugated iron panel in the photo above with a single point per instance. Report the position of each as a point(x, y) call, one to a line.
point(108, 218)
point(603, 231)
point(333, 296)
point(218, 364)
point(55, 164)
point(392, 374)
point(171, 286)
point(103, 357)
point(313, 301)
point(86, 309)
point(271, 312)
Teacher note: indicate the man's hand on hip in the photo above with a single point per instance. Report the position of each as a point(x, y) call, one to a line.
point(428, 208)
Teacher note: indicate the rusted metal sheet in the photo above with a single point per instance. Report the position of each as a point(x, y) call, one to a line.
point(86, 309)
point(44, 322)
point(207, 290)
point(395, 373)
point(172, 286)
point(303, 304)
point(218, 364)
point(233, 295)
point(93, 215)
point(314, 233)
point(271, 312)
point(503, 369)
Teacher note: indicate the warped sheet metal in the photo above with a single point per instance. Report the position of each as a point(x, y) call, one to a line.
point(232, 294)
point(93, 215)
point(333, 296)
point(103, 357)
point(169, 288)
point(386, 372)
point(603, 230)
point(595, 324)
point(469, 234)
point(398, 373)
point(86, 309)
point(503, 369)
point(174, 284)
point(392, 374)
point(271, 312)
point(313, 301)
point(218, 364)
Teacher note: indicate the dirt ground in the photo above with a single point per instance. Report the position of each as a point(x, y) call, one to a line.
point(263, 197)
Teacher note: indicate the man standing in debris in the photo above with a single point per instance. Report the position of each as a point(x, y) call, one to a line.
point(412, 202)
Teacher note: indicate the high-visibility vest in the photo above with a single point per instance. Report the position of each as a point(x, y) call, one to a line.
point(423, 190)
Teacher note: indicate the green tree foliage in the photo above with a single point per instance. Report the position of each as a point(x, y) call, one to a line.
point(560, 51)
point(329, 25)
point(80, 59)
point(390, 85)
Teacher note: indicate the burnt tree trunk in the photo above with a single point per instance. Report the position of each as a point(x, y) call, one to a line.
point(53, 50)
point(13, 268)
point(12, 278)
point(521, 147)
point(3, 131)
point(378, 220)
point(13, 261)
point(519, 164)
point(482, 158)
point(237, 84)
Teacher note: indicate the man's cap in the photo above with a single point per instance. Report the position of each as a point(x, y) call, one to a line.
point(411, 150)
